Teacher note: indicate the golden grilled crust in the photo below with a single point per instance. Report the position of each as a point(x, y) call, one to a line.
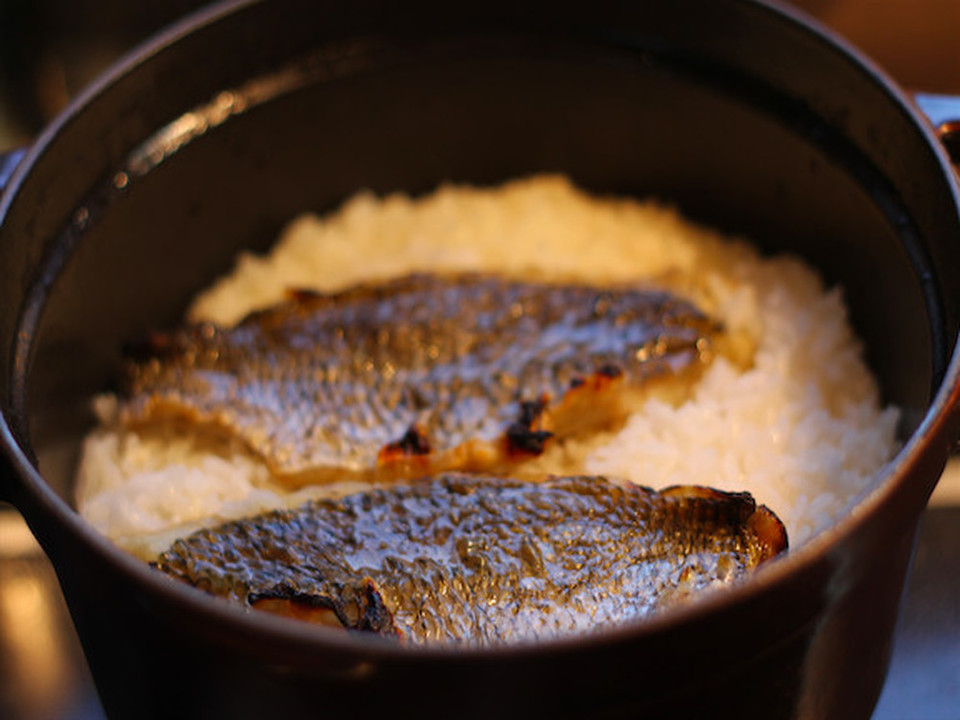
point(483, 560)
point(419, 375)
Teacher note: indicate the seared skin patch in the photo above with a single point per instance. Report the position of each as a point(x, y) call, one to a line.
point(481, 560)
point(418, 375)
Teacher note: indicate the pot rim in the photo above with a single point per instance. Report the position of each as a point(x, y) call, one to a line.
point(927, 439)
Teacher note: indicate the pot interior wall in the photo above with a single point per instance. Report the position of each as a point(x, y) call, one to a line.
point(482, 110)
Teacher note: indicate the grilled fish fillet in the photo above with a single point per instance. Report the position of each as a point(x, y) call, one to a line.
point(482, 560)
point(419, 375)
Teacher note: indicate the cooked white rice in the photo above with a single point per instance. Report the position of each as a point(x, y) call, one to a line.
point(800, 426)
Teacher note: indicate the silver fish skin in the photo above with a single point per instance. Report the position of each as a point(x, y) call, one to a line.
point(478, 561)
point(417, 375)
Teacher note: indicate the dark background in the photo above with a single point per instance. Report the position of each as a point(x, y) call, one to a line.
point(49, 49)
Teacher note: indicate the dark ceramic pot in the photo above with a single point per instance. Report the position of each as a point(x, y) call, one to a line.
point(210, 137)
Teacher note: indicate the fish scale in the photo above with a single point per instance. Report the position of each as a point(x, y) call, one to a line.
point(327, 386)
point(481, 560)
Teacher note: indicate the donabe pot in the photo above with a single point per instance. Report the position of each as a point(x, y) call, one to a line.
point(208, 139)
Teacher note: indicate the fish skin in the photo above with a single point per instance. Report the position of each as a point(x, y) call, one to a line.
point(417, 375)
point(482, 561)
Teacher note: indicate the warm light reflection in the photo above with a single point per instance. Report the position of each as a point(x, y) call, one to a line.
point(36, 677)
point(334, 60)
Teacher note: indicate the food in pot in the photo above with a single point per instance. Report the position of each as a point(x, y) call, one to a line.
point(420, 374)
point(480, 560)
point(786, 409)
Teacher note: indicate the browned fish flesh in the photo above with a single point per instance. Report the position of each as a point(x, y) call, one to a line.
point(418, 375)
point(482, 560)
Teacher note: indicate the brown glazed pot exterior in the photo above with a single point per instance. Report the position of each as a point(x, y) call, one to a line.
point(212, 136)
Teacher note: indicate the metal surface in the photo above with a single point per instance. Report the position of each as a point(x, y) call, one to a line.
point(944, 114)
point(43, 675)
point(8, 163)
point(924, 677)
